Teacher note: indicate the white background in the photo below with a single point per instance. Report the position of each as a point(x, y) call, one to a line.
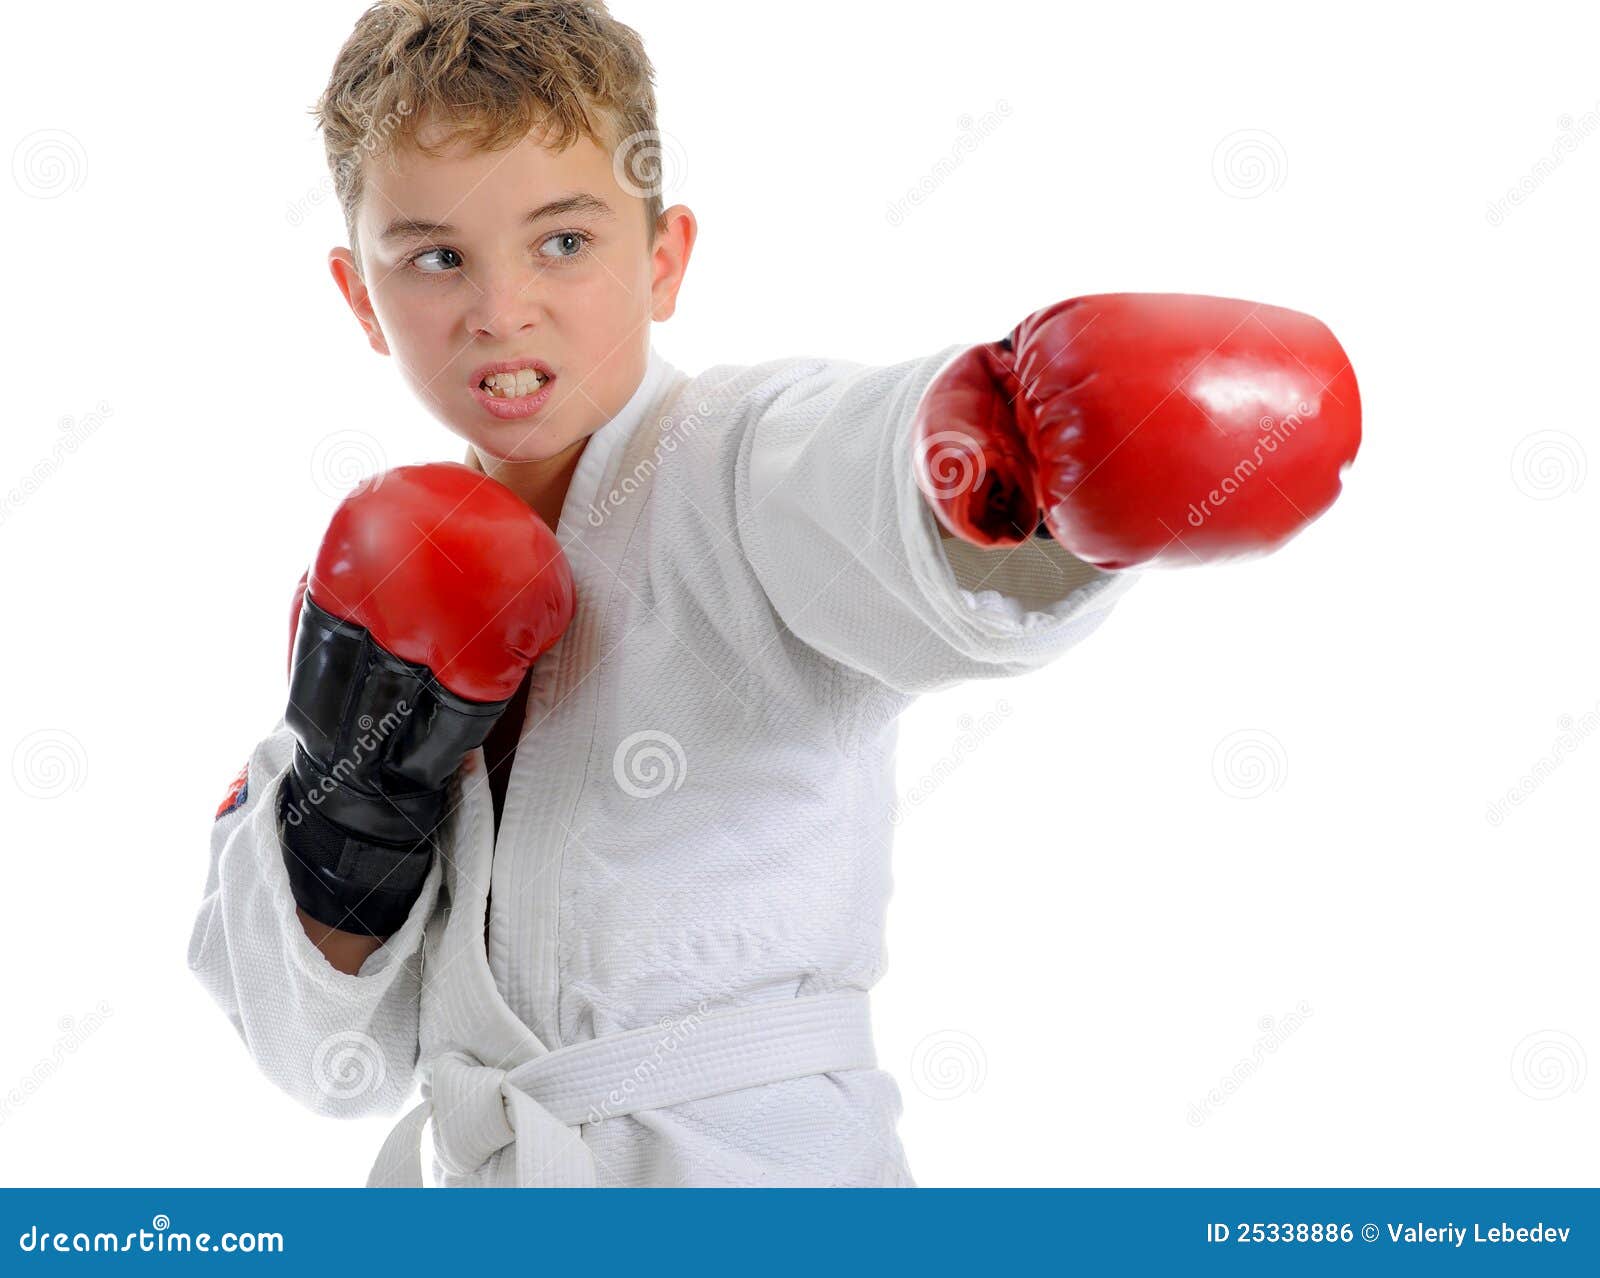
point(1243, 833)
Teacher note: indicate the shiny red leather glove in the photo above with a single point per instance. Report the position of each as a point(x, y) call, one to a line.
point(1141, 429)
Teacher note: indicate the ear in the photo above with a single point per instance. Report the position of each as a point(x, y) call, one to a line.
point(675, 236)
point(347, 275)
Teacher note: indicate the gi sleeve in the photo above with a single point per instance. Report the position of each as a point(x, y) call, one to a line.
point(835, 528)
point(342, 1045)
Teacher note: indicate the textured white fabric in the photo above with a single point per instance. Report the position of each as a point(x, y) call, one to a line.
point(698, 817)
point(538, 1105)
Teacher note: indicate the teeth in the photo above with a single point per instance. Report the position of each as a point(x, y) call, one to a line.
point(512, 385)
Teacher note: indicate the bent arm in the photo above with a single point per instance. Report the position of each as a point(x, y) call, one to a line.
point(331, 1026)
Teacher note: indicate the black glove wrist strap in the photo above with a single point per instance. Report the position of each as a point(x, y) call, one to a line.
point(342, 879)
point(378, 740)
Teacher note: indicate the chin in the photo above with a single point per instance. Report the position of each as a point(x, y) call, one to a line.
point(515, 442)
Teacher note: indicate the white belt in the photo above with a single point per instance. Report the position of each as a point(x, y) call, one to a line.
point(537, 1107)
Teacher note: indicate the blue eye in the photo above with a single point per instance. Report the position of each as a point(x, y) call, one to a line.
point(569, 244)
point(577, 240)
point(417, 257)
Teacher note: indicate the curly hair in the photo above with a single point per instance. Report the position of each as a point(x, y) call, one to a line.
point(488, 72)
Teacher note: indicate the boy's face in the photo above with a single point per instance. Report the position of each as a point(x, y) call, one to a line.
point(573, 288)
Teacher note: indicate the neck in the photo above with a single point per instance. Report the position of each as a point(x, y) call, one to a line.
point(542, 484)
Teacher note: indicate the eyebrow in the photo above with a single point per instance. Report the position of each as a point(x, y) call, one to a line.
point(405, 228)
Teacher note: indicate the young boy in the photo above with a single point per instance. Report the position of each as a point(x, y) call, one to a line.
point(628, 941)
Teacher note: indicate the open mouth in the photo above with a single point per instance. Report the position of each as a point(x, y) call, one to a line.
point(517, 385)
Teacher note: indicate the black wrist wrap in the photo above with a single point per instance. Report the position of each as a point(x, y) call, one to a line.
point(379, 739)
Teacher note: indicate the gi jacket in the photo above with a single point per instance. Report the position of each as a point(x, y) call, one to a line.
point(685, 903)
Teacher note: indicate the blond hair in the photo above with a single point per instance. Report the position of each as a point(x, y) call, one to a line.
point(488, 72)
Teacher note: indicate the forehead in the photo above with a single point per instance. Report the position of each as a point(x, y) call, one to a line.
point(469, 187)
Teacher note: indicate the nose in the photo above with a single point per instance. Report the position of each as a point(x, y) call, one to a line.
point(508, 302)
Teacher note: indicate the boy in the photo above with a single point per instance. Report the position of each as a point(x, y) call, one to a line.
point(629, 940)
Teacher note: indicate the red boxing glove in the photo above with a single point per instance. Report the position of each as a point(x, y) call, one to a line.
point(448, 569)
point(500, 549)
point(433, 592)
point(1141, 429)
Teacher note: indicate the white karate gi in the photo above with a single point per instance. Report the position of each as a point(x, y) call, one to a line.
point(689, 888)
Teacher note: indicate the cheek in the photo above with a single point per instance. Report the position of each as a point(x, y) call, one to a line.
point(609, 303)
point(627, 276)
point(602, 293)
point(416, 322)
point(393, 315)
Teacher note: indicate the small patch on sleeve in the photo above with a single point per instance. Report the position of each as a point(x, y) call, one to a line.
point(238, 792)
